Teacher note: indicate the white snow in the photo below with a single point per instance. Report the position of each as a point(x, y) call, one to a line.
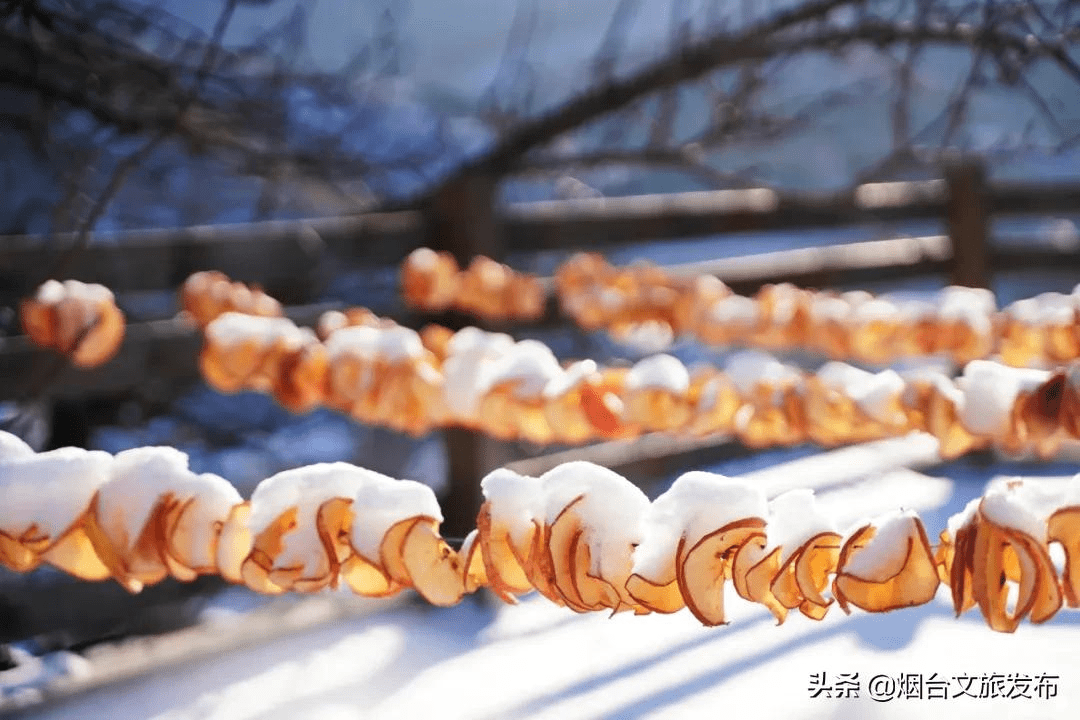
point(50, 490)
point(570, 378)
point(529, 365)
point(650, 336)
point(658, 372)
point(515, 501)
point(383, 501)
point(13, 446)
point(696, 504)
point(423, 260)
point(829, 308)
point(1021, 504)
point(378, 502)
point(794, 518)
point(749, 368)
point(964, 517)
point(469, 352)
point(1071, 494)
point(51, 292)
point(1049, 308)
point(394, 344)
point(990, 389)
point(611, 513)
point(735, 310)
point(233, 328)
point(884, 555)
point(872, 393)
point(875, 310)
point(974, 307)
point(139, 478)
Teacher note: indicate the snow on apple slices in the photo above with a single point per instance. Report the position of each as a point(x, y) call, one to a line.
point(1063, 526)
point(656, 393)
point(46, 497)
point(991, 391)
point(886, 564)
point(592, 522)
point(790, 568)
point(79, 320)
point(511, 391)
point(997, 546)
point(155, 517)
point(311, 524)
point(842, 402)
point(569, 534)
point(248, 351)
point(691, 535)
point(506, 527)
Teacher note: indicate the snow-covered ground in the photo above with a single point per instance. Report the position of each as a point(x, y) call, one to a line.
point(539, 661)
point(482, 659)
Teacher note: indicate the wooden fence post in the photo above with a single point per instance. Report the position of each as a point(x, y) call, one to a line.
point(462, 221)
point(967, 217)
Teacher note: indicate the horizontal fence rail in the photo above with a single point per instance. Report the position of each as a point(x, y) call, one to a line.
point(284, 255)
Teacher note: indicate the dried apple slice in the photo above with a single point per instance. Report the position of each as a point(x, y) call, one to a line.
point(961, 575)
point(505, 573)
point(129, 520)
point(391, 550)
point(886, 565)
point(366, 578)
point(752, 573)
point(45, 496)
point(702, 569)
point(433, 566)
point(558, 566)
point(539, 566)
point(474, 571)
point(234, 543)
point(603, 409)
point(510, 536)
point(16, 556)
point(74, 554)
point(943, 556)
point(193, 524)
point(267, 545)
point(995, 547)
point(816, 562)
point(696, 504)
point(800, 580)
point(665, 598)
point(103, 338)
point(595, 593)
point(1035, 562)
point(808, 550)
point(610, 510)
point(1064, 527)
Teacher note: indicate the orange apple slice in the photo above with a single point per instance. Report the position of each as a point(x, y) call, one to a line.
point(434, 568)
point(1064, 527)
point(702, 569)
point(907, 577)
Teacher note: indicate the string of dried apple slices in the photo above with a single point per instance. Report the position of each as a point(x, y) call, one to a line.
point(78, 320)
point(385, 374)
point(487, 289)
point(644, 302)
point(581, 535)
